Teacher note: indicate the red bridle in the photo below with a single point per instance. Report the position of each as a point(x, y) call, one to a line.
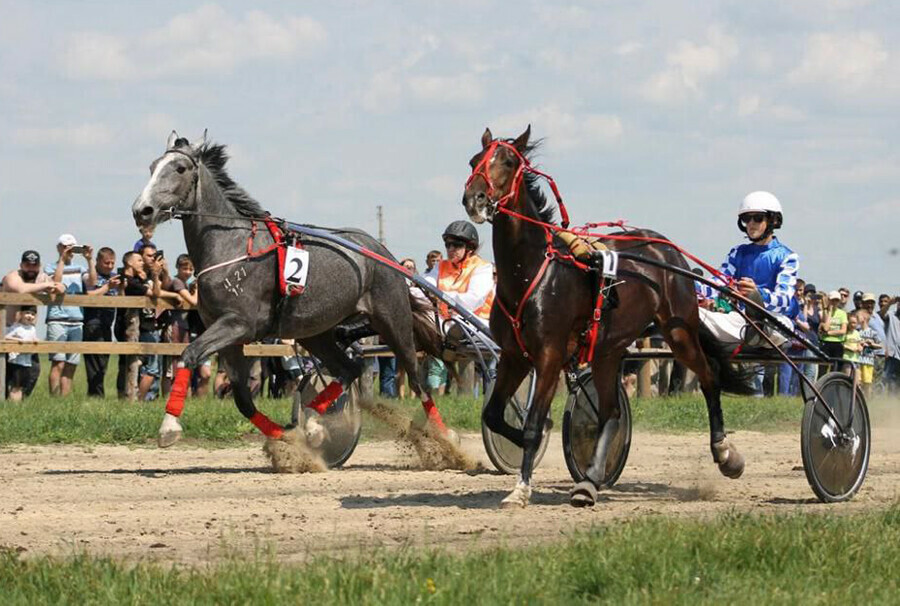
point(481, 170)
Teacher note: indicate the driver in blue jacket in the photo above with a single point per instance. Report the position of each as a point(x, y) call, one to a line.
point(765, 270)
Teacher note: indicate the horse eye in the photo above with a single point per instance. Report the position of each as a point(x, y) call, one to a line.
point(181, 169)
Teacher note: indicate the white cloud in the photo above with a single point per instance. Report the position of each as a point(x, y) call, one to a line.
point(92, 55)
point(461, 89)
point(749, 105)
point(207, 40)
point(628, 48)
point(564, 129)
point(389, 88)
point(83, 135)
point(848, 61)
point(689, 66)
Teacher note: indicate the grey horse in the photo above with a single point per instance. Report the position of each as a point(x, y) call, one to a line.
point(240, 296)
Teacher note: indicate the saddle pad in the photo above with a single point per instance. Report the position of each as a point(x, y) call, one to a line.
point(582, 248)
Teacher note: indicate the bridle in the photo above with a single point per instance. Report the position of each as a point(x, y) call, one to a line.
point(195, 180)
point(500, 205)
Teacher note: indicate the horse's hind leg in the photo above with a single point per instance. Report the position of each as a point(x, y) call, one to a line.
point(237, 365)
point(686, 348)
point(606, 381)
point(396, 330)
point(342, 368)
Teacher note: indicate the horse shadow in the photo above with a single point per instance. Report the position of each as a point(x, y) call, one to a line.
point(158, 473)
point(486, 499)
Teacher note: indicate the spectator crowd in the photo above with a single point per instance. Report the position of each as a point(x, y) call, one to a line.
point(862, 330)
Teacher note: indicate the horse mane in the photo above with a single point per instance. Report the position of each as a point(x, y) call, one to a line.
point(547, 210)
point(214, 157)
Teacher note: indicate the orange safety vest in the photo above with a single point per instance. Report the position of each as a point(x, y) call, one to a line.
point(456, 279)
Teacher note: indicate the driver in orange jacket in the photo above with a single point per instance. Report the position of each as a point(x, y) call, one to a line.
point(466, 278)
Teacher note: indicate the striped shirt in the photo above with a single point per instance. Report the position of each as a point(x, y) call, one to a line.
point(772, 266)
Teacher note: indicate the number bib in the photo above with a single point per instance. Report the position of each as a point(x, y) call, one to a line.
point(296, 266)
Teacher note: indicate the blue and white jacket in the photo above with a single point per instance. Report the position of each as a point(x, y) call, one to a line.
point(772, 266)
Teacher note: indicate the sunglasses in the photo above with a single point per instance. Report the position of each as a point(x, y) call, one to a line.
point(748, 218)
point(454, 244)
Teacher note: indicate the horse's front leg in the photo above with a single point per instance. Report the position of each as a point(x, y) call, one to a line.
point(510, 372)
point(227, 330)
point(547, 380)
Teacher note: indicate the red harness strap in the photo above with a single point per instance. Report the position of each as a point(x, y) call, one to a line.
point(280, 247)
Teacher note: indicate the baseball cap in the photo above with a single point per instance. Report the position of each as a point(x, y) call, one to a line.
point(31, 257)
point(67, 240)
point(868, 296)
point(809, 288)
point(834, 295)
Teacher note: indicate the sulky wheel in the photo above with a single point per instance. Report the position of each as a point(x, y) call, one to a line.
point(343, 420)
point(581, 430)
point(506, 456)
point(835, 463)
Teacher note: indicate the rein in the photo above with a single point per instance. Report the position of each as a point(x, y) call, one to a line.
point(551, 253)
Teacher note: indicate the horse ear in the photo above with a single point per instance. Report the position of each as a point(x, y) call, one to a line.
point(522, 140)
point(486, 138)
point(170, 143)
point(196, 146)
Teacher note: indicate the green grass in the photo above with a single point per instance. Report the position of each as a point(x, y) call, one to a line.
point(733, 558)
point(76, 419)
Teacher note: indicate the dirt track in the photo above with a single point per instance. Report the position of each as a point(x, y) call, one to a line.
point(188, 504)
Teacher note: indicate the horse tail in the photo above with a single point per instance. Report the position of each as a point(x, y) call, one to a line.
point(425, 331)
point(732, 378)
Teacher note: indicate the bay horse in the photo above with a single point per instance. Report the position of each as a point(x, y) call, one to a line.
point(544, 304)
point(240, 294)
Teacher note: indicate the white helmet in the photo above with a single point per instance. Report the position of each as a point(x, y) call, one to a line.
point(760, 201)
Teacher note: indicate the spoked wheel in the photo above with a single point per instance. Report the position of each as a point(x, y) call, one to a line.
point(835, 464)
point(581, 431)
point(506, 456)
point(343, 420)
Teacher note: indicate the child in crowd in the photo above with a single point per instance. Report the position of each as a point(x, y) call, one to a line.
point(146, 237)
point(852, 341)
point(870, 343)
point(22, 331)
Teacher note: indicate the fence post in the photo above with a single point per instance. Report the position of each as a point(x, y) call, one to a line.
point(3, 356)
point(645, 374)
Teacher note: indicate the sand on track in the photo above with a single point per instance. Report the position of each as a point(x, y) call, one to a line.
point(189, 504)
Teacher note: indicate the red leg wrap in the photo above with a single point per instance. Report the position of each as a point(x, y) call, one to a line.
point(175, 404)
point(328, 395)
point(265, 425)
point(431, 412)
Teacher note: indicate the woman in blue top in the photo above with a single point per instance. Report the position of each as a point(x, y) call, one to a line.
point(765, 270)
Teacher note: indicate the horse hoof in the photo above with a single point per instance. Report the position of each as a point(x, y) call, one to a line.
point(169, 431)
point(729, 460)
point(316, 433)
point(517, 499)
point(584, 494)
point(168, 438)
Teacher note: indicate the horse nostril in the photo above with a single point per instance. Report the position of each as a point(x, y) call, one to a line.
point(146, 211)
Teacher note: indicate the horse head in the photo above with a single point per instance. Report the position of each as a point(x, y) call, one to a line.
point(496, 174)
point(173, 182)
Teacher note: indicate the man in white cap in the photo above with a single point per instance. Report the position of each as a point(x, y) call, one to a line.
point(65, 322)
point(765, 270)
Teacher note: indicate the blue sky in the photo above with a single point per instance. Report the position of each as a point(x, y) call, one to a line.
point(662, 113)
